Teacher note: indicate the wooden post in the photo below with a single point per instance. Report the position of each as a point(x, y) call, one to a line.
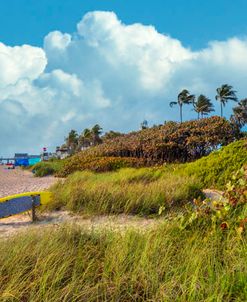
point(34, 218)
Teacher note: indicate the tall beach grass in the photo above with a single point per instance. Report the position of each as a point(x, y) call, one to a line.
point(164, 264)
point(130, 191)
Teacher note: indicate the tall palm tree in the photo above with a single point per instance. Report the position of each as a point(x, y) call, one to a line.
point(225, 93)
point(96, 132)
point(184, 97)
point(72, 141)
point(85, 138)
point(203, 106)
point(240, 113)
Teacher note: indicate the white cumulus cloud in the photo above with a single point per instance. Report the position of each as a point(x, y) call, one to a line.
point(20, 62)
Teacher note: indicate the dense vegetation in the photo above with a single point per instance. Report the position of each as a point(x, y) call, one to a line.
point(172, 142)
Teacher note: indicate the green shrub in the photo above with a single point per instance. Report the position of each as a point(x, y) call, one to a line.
point(216, 169)
point(46, 168)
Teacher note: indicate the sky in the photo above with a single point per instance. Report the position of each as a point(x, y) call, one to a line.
point(70, 64)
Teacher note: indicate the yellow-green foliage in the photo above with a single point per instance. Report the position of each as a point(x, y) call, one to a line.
point(165, 264)
point(135, 191)
point(216, 169)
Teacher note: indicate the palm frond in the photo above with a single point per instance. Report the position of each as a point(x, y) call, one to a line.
point(173, 103)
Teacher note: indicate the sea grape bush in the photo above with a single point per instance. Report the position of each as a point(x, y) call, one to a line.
point(228, 213)
point(97, 164)
point(172, 142)
point(236, 189)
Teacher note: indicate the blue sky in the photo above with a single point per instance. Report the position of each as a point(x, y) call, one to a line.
point(191, 21)
point(115, 63)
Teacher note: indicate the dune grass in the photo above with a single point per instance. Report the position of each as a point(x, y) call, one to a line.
point(164, 264)
point(130, 191)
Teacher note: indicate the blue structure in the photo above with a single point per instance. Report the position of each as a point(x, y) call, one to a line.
point(33, 161)
point(22, 159)
point(22, 162)
point(25, 160)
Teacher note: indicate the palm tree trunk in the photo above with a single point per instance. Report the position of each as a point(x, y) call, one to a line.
point(198, 115)
point(221, 109)
point(181, 114)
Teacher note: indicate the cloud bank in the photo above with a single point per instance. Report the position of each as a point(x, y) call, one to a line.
point(108, 73)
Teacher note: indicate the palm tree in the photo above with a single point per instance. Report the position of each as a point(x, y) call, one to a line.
point(224, 94)
point(184, 97)
point(144, 125)
point(96, 132)
point(203, 106)
point(85, 138)
point(240, 113)
point(72, 141)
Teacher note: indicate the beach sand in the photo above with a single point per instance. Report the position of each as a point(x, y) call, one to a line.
point(20, 181)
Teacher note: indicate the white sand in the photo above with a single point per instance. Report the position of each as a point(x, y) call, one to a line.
point(120, 223)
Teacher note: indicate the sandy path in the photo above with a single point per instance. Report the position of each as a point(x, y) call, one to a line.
point(20, 223)
point(19, 181)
